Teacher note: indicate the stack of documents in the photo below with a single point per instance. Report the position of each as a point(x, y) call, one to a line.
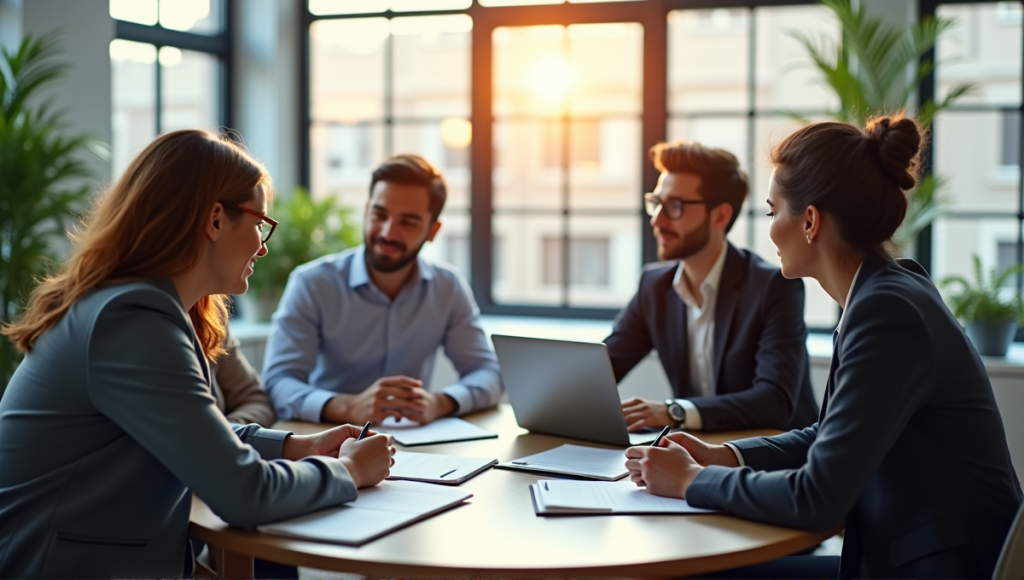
point(559, 496)
point(446, 430)
point(575, 460)
point(379, 510)
point(436, 468)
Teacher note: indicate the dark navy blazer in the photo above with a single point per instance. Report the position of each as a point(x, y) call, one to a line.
point(909, 447)
point(762, 375)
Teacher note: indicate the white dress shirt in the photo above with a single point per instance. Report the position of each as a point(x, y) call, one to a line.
point(700, 331)
point(735, 450)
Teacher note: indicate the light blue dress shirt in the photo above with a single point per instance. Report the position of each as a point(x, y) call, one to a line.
point(335, 332)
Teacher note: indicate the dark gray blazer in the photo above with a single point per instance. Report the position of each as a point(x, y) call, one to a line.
point(106, 430)
point(909, 447)
point(763, 377)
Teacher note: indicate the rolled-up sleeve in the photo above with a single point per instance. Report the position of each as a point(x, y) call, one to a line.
point(466, 345)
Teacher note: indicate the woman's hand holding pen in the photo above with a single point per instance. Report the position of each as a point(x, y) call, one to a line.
point(368, 456)
point(670, 468)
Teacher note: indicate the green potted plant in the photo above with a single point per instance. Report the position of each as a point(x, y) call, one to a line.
point(44, 182)
point(867, 70)
point(309, 229)
point(990, 317)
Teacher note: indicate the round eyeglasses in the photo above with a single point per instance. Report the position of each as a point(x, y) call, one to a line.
point(673, 206)
point(262, 226)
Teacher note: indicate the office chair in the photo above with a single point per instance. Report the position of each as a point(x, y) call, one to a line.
point(1011, 559)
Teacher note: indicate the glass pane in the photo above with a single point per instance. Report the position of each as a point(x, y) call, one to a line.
point(191, 90)
point(451, 245)
point(531, 73)
point(983, 48)
point(606, 67)
point(198, 16)
point(429, 140)
point(133, 88)
point(977, 155)
point(519, 258)
point(431, 66)
point(517, 2)
point(708, 60)
point(528, 164)
point(604, 259)
point(956, 241)
point(604, 166)
point(347, 68)
point(141, 11)
point(418, 5)
point(729, 133)
point(342, 157)
point(820, 311)
point(323, 7)
point(786, 78)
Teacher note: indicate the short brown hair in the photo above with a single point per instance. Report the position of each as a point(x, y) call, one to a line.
point(721, 179)
point(410, 169)
point(857, 176)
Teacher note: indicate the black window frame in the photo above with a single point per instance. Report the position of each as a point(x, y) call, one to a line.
point(219, 45)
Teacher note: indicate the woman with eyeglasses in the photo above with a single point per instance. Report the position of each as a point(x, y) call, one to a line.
point(909, 449)
point(108, 425)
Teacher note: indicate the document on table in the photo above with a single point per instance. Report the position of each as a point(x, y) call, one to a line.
point(575, 460)
point(446, 430)
point(437, 468)
point(379, 510)
point(561, 496)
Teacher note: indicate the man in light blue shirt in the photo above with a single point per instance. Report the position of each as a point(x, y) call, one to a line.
point(356, 332)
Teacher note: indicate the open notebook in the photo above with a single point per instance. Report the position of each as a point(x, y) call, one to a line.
point(576, 461)
point(379, 510)
point(563, 497)
point(437, 468)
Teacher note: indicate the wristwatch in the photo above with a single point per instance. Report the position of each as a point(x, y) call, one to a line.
point(676, 411)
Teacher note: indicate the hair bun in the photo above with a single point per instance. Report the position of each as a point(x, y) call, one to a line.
point(897, 140)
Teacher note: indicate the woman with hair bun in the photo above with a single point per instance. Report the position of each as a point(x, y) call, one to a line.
point(108, 426)
point(909, 449)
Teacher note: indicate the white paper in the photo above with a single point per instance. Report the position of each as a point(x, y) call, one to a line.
point(566, 496)
point(378, 510)
point(444, 430)
point(576, 460)
point(437, 468)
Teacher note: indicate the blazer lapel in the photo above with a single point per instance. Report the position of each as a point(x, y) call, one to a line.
point(676, 319)
point(729, 287)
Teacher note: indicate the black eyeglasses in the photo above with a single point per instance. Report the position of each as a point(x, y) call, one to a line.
point(266, 220)
point(673, 206)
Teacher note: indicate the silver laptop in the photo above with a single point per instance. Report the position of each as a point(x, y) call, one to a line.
point(564, 388)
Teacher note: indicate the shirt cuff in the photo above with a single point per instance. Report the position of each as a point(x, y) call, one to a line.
point(269, 443)
point(736, 452)
point(462, 395)
point(693, 421)
point(313, 405)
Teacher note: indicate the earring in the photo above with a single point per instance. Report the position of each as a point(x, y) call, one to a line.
point(808, 238)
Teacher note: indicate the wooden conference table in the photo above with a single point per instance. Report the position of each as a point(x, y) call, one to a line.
point(497, 534)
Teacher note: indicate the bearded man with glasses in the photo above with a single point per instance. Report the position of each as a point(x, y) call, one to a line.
point(729, 329)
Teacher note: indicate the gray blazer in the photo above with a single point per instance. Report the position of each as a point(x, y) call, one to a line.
point(108, 427)
point(909, 447)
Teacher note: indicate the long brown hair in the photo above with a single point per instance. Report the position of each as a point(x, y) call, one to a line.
point(149, 224)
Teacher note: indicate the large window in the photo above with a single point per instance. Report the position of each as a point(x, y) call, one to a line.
point(540, 113)
point(168, 70)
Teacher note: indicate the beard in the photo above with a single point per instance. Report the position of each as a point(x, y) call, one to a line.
point(387, 264)
point(691, 243)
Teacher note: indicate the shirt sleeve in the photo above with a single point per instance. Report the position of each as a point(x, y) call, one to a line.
point(156, 391)
point(467, 347)
point(291, 354)
point(693, 420)
point(736, 452)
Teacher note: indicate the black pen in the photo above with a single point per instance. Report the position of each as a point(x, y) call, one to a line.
point(660, 435)
point(362, 433)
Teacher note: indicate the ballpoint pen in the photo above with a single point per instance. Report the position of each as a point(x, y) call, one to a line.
point(660, 435)
point(362, 433)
